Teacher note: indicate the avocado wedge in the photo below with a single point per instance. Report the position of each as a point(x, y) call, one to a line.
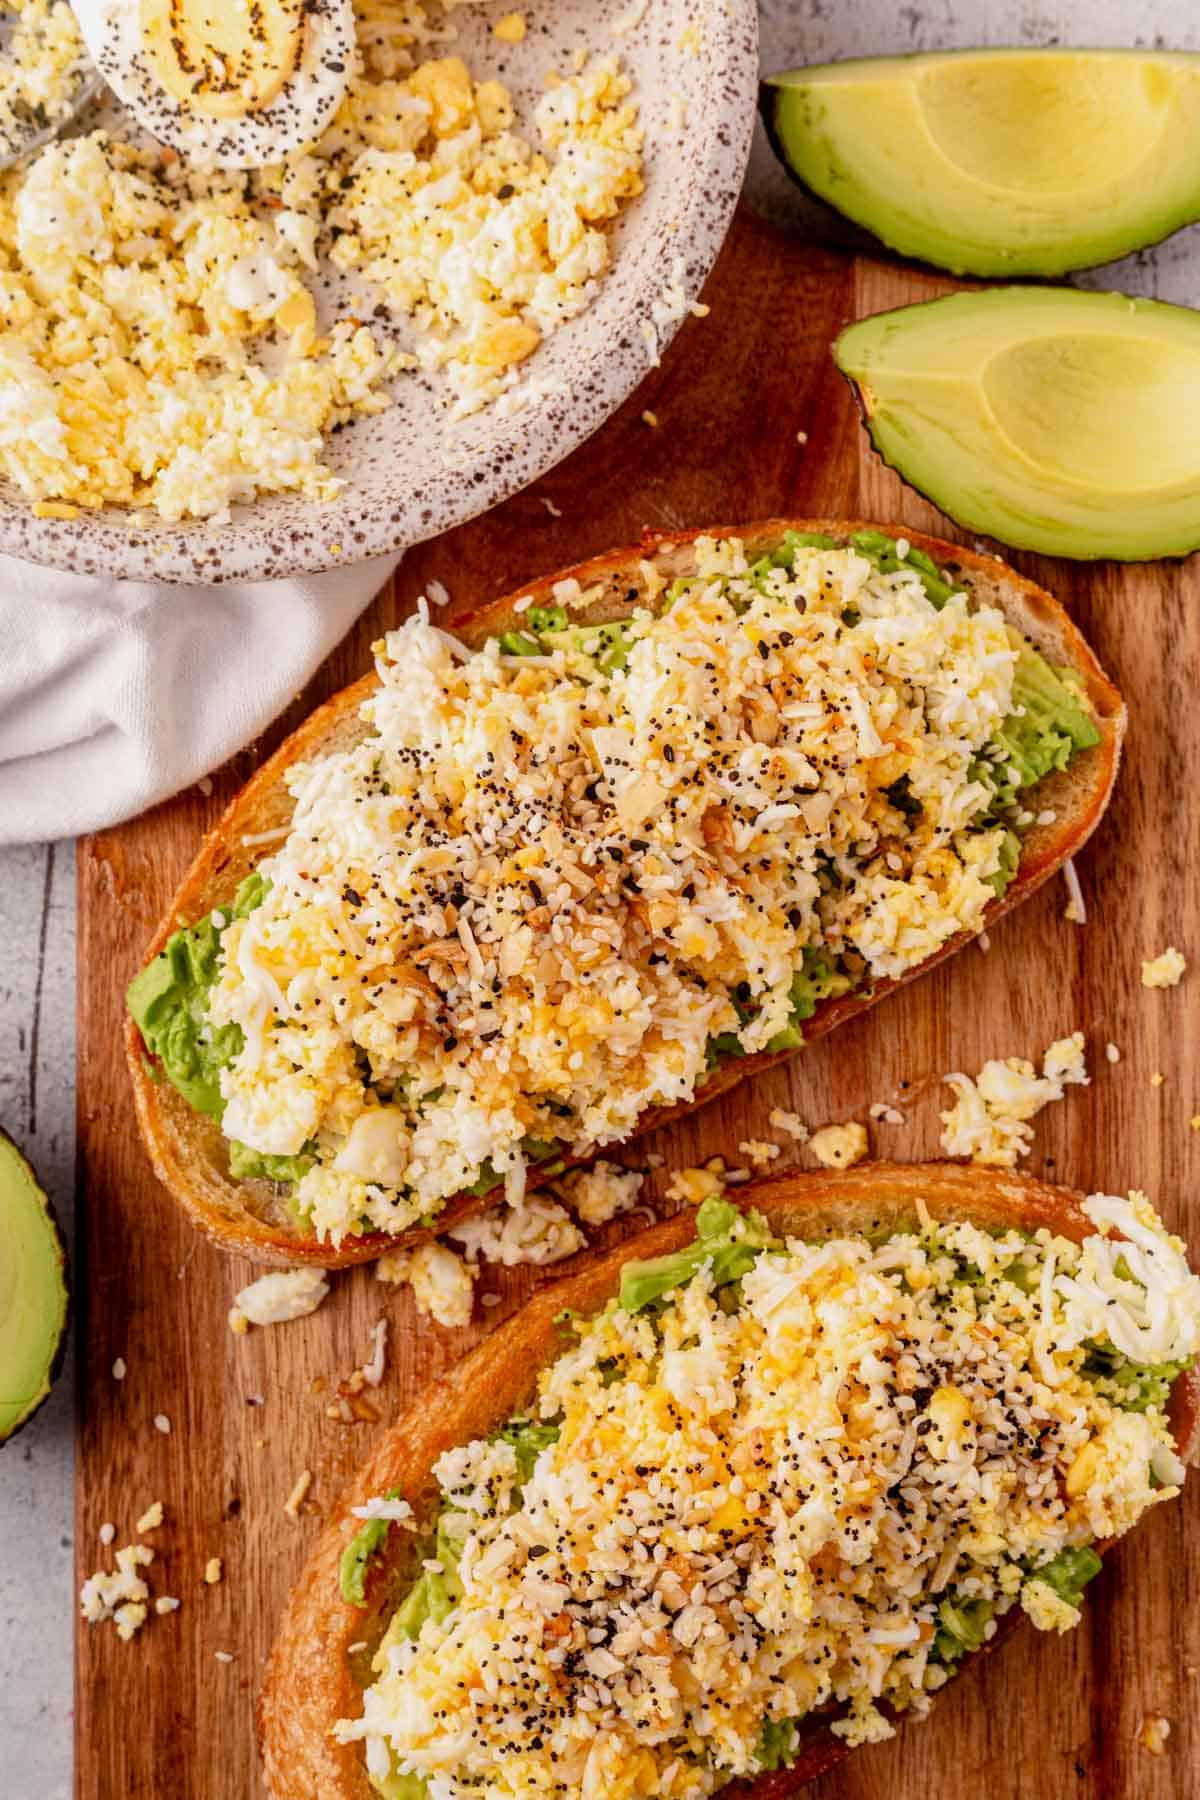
point(998, 162)
point(1049, 418)
point(33, 1292)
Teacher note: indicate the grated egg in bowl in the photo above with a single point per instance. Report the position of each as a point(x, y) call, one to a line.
point(212, 373)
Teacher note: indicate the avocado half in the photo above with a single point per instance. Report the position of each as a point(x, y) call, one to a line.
point(1049, 418)
point(33, 1292)
point(999, 162)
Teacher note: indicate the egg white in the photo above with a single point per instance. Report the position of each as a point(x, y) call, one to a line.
point(310, 95)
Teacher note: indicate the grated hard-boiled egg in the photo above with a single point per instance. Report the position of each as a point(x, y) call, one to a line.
point(749, 1512)
point(462, 897)
point(161, 342)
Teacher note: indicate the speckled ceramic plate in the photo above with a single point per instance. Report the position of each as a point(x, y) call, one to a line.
point(412, 471)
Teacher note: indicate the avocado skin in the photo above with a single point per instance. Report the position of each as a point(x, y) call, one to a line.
point(1047, 260)
point(8, 1148)
point(1070, 516)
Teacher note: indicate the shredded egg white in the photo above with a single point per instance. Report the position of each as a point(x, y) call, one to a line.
point(750, 1513)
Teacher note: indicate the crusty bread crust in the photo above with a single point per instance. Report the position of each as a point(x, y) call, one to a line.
point(187, 1149)
point(314, 1679)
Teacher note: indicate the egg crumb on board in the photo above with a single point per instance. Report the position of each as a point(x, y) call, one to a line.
point(692, 1187)
point(294, 1503)
point(602, 1192)
point(443, 1284)
point(813, 1488)
point(790, 1123)
point(151, 1519)
point(276, 1298)
point(1164, 971)
point(213, 1571)
point(539, 992)
point(989, 1119)
point(43, 71)
point(1153, 1733)
point(120, 1594)
point(840, 1146)
point(760, 1153)
point(161, 348)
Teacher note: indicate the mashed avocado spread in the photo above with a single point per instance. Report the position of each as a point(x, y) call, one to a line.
point(169, 1003)
point(976, 1275)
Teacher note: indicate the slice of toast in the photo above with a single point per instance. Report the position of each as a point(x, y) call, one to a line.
point(315, 1677)
point(188, 1151)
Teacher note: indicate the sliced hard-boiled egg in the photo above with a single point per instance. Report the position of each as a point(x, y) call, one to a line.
point(236, 82)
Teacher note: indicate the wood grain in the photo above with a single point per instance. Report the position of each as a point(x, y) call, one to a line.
point(162, 1716)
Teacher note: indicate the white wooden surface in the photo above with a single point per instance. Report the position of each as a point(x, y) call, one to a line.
point(37, 942)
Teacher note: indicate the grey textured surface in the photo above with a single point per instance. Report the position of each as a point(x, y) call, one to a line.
point(37, 890)
point(37, 1108)
point(808, 31)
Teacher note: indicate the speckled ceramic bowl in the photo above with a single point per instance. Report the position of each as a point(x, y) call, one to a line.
point(411, 471)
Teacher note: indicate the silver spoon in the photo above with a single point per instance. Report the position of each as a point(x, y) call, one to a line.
point(26, 131)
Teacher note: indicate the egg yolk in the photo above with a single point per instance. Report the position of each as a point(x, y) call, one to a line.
point(222, 58)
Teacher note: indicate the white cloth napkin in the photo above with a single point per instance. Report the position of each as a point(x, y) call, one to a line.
point(115, 694)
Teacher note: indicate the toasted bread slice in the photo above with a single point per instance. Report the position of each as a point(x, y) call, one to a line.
point(314, 1677)
point(187, 1149)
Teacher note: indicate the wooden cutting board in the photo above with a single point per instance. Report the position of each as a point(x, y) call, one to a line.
point(752, 420)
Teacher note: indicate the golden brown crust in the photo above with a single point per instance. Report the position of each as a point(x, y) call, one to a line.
point(187, 1149)
point(312, 1680)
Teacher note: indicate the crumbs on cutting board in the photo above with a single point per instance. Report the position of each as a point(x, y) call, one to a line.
point(760, 1153)
point(840, 1146)
point(1075, 910)
point(277, 1298)
point(989, 1120)
point(299, 1494)
point(1153, 1733)
point(1165, 971)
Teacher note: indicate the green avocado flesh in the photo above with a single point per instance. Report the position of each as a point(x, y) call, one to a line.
point(168, 1000)
point(998, 162)
point(33, 1292)
point(728, 1242)
point(1049, 418)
